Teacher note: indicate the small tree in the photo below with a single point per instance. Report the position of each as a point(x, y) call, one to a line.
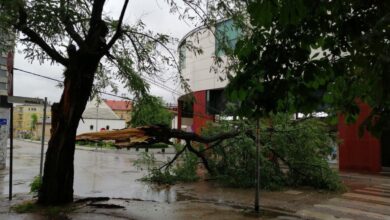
point(150, 110)
point(34, 121)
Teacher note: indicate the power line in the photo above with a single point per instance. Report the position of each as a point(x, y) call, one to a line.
point(59, 81)
point(102, 92)
point(36, 74)
point(166, 88)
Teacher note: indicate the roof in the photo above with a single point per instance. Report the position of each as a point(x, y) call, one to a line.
point(99, 110)
point(119, 104)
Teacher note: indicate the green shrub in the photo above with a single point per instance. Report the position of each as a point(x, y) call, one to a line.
point(35, 185)
point(183, 170)
point(292, 153)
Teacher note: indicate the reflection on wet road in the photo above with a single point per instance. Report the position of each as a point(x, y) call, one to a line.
point(97, 173)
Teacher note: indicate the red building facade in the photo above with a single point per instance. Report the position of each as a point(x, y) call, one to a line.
point(361, 154)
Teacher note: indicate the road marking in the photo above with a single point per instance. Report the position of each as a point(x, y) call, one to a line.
point(309, 214)
point(373, 192)
point(293, 192)
point(377, 189)
point(367, 206)
point(367, 197)
point(354, 211)
point(382, 187)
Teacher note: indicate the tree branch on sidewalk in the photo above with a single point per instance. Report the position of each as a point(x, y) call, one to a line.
point(132, 137)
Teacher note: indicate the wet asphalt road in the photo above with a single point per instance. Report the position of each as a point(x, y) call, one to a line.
point(97, 173)
point(112, 173)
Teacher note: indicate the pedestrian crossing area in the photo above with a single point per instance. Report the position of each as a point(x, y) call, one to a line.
point(365, 203)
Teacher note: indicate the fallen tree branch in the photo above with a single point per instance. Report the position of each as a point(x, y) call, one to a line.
point(132, 137)
point(167, 165)
point(201, 156)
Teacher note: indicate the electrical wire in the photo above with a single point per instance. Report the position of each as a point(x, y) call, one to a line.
point(60, 81)
point(114, 95)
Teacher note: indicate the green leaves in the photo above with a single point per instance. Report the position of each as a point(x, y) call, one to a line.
point(313, 55)
point(262, 12)
point(238, 95)
point(302, 146)
point(288, 12)
point(292, 12)
point(150, 110)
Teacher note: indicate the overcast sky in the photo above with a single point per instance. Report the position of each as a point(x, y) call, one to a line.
point(154, 13)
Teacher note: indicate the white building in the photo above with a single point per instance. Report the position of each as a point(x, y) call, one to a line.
point(99, 116)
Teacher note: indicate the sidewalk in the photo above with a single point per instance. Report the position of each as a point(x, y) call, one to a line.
point(368, 198)
point(204, 200)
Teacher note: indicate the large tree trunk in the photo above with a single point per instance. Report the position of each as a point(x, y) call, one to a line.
point(57, 184)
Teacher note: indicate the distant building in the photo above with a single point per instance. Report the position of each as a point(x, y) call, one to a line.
point(23, 118)
point(99, 116)
point(121, 108)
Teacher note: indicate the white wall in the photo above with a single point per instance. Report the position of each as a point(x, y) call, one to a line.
point(198, 67)
point(84, 127)
point(174, 122)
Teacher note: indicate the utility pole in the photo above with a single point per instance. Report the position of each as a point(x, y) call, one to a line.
point(43, 137)
point(257, 194)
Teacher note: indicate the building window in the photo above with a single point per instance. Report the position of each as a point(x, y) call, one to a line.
point(107, 127)
point(226, 36)
point(215, 101)
point(182, 55)
point(91, 127)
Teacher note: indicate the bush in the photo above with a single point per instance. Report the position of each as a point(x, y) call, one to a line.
point(35, 185)
point(183, 170)
point(292, 153)
point(234, 160)
point(305, 146)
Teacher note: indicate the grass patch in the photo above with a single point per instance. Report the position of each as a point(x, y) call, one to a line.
point(26, 207)
point(32, 207)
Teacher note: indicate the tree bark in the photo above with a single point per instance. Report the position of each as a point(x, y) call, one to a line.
point(57, 182)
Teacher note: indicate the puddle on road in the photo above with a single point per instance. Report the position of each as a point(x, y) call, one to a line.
point(114, 175)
